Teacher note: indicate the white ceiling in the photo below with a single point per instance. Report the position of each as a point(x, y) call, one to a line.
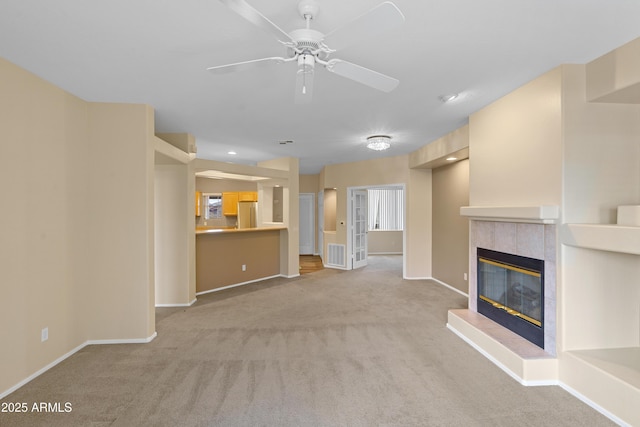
point(156, 52)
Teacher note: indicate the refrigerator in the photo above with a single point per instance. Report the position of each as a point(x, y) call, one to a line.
point(247, 214)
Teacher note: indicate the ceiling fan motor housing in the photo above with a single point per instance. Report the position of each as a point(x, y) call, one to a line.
point(307, 39)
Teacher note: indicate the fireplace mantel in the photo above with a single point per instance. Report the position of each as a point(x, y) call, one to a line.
point(543, 214)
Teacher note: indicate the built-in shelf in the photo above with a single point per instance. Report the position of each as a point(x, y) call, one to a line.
point(621, 363)
point(604, 237)
point(615, 372)
point(543, 214)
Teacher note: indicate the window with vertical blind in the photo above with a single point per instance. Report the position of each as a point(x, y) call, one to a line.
point(212, 205)
point(386, 209)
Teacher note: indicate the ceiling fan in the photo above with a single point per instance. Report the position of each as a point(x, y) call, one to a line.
point(307, 47)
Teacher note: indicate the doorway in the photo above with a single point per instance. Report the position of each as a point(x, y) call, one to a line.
point(364, 223)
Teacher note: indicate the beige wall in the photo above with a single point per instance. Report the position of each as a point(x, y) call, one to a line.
point(220, 256)
point(450, 230)
point(289, 245)
point(121, 248)
point(77, 245)
point(44, 222)
point(384, 242)
point(521, 133)
point(387, 171)
point(418, 232)
point(310, 183)
point(173, 228)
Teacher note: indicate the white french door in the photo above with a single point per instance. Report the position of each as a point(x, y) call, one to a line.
point(359, 228)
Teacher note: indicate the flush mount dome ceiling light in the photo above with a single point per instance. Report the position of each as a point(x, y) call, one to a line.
point(449, 97)
point(378, 142)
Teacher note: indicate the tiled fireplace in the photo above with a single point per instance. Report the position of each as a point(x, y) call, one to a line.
point(511, 292)
point(531, 241)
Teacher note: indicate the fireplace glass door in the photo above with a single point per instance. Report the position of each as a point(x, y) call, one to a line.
point(511, 292)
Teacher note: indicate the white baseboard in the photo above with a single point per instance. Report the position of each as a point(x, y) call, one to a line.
point(189, 304)
point(124, 341)
point(335, 267)
point(594, 405)
point(42, 371)
point(71, 353)
point(243, 283)
point(449, 286)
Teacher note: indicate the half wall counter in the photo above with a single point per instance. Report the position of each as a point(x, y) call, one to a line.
point(227, 257)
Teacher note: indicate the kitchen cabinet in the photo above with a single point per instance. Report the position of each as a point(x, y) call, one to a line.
point(198, 203)
point(230, 203)
point(248, 196)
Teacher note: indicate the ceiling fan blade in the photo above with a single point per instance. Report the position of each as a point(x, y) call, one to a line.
point(245, 10)
point(362, 75)
point(304, 86)
point(241, 66)
point(381, 18)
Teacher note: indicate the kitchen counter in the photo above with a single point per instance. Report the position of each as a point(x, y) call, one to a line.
point(223, 230)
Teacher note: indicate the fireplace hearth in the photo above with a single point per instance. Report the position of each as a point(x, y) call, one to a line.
point(511, 292)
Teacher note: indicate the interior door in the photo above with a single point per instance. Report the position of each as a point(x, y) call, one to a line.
point(359, 228)
point(307, 228)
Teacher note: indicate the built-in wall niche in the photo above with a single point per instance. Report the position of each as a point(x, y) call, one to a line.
point(277, 204)
point(330, 209)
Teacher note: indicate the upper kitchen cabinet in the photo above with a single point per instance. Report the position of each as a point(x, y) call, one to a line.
point(198, 202)
point(248, 196)
point(230, 203)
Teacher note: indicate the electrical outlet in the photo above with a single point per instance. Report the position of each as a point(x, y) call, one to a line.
point(244, 267)
point(465, 276)
point(44, 335)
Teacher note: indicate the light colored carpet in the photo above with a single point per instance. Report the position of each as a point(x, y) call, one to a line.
point(330, 348)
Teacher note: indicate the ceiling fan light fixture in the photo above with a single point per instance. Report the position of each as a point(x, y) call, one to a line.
point(379, 142)
point(307, 46)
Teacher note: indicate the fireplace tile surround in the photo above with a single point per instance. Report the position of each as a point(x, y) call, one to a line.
point(531, 240)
